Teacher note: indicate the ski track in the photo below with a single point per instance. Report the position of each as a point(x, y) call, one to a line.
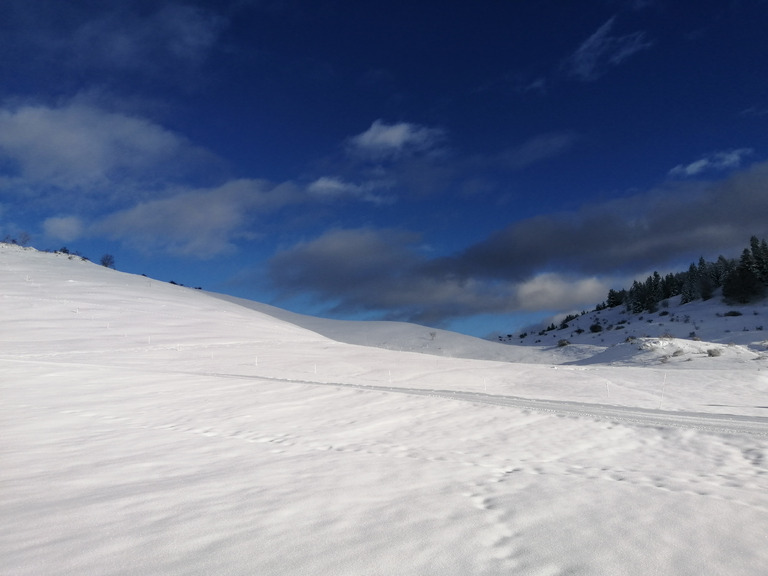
point(704, 422)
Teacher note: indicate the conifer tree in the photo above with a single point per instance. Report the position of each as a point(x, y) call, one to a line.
point(690, 288)
point(759, 258)
point(744, 284)
point(706, 287)
point(615, 298)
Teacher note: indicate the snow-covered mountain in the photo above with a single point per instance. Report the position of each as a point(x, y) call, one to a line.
point(148, 428)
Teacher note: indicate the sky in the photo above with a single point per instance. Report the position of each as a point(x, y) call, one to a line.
point(475, 166)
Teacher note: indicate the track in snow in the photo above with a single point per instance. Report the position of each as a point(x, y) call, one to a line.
point(706, 422)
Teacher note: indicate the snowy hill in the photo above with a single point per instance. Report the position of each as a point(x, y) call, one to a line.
point(148, 428)
point(675, 333)
point(400, 336)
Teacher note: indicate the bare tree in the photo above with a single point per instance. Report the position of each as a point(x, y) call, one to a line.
point(108, 261)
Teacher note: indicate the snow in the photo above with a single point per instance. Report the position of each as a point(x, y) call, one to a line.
point(148, 428)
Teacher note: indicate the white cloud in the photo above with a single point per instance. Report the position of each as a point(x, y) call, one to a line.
point(389, 141)
point(66, 228)
point(87, 148)
point(333, 188)
point(718, 161)
point(550, 291)
point(602, 50)
point(201, 223)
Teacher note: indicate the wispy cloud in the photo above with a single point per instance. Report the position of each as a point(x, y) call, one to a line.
point(754, 112)
point(535, 150)
point(640, 4)
point(165, 40)
point(516, 83)
point(716, 162)
point(335, 188)
point(602, 50)
point(63, 46)
point(384, 141)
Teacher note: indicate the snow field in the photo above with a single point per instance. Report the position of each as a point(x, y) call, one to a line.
point(148, 428)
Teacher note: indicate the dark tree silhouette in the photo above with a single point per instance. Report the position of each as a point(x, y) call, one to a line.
point(108, 261)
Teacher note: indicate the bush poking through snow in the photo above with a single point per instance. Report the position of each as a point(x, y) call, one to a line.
point(108, 261)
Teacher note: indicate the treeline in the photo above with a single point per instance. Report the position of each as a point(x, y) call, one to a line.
point(742, 280)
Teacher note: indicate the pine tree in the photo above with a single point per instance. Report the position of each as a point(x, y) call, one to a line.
point(636, 298)
point(743, 284)
point(721, 269)
point(670, 286)
point(653, 294)
point(759, 258)
point(690, 288)
point(706, 287)
point(615, 298)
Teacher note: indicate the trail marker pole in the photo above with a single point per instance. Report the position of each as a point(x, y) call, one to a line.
point(663, 386)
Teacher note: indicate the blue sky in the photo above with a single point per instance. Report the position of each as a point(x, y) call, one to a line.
point(468, 165)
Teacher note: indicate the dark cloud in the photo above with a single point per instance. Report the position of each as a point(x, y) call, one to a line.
point(386, 272)
point(556, 262)
point(379, 271)
point(627, 234)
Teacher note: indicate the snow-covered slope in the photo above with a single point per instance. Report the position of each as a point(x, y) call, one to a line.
point(675, 333)
point(401, 336)
point(147, 428)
